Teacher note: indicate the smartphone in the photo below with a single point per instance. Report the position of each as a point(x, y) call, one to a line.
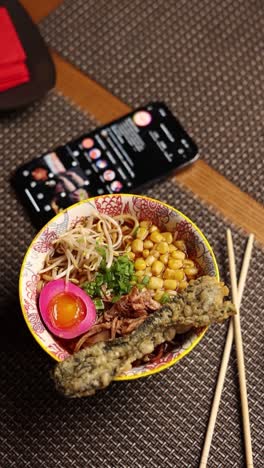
point(126, 155)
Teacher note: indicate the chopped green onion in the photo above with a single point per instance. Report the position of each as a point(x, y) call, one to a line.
point(99, 305)
point(165, 298)
point(135, 232)
point(145, 280)
point(117, 279)
point(115, 299)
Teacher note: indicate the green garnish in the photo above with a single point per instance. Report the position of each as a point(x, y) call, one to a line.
point(135, 232)
point(143, 283)
point(117, 278)
point(99, 305)
point(145, 280)
point(165, 298)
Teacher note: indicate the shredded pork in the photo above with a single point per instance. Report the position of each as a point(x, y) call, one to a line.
point(122, 318)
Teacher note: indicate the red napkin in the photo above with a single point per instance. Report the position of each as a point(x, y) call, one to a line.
point(13, 70)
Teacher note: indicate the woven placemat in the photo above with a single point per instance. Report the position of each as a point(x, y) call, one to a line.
point(159, 421)
point(23, 136)
point(205, 59)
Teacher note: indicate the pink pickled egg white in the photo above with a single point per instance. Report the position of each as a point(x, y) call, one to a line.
point(49, 293)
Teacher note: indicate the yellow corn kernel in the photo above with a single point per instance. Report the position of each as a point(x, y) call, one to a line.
point(148, 271)
point(191, 271)
point(172, 248)
point(153, 228)
point(155, 253)
point(162, 247)
point(149, 260)
point(168, 237)
point(145, 224)
point(156, 237)
point(164, 258)
point(182, 285)
point(142, 233)
point(178, 255)
point(179, 275)
point(145, 253)
point(170, 284)
point(158, 295)
point(131, 255)
point(140, 264)
point(157, 267)
point(174, 264)
point(180, 244)
point(155, 283)
point(137, 246)
point(148, 244)
point(169, 274)
point(188, 263)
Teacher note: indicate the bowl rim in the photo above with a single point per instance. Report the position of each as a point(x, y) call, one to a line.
point(87, 200)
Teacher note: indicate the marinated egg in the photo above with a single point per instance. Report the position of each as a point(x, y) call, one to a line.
point(66, 309)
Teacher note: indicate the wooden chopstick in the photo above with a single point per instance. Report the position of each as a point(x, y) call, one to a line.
point(240, 354)
point(225, 358)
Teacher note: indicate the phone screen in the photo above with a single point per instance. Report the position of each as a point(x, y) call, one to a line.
point(144, 146)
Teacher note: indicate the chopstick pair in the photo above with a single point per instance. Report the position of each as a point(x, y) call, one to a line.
point(234, 330)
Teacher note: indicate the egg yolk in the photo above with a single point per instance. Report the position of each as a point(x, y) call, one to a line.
point(66, 310)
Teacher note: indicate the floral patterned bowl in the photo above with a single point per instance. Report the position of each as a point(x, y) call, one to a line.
point(144, 208)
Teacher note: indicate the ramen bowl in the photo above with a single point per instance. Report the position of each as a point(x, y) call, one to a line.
point(144, 208)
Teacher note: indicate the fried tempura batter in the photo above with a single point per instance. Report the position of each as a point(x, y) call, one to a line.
point(93, 368)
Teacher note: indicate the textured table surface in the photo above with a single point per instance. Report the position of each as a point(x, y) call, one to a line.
point(155, 422)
